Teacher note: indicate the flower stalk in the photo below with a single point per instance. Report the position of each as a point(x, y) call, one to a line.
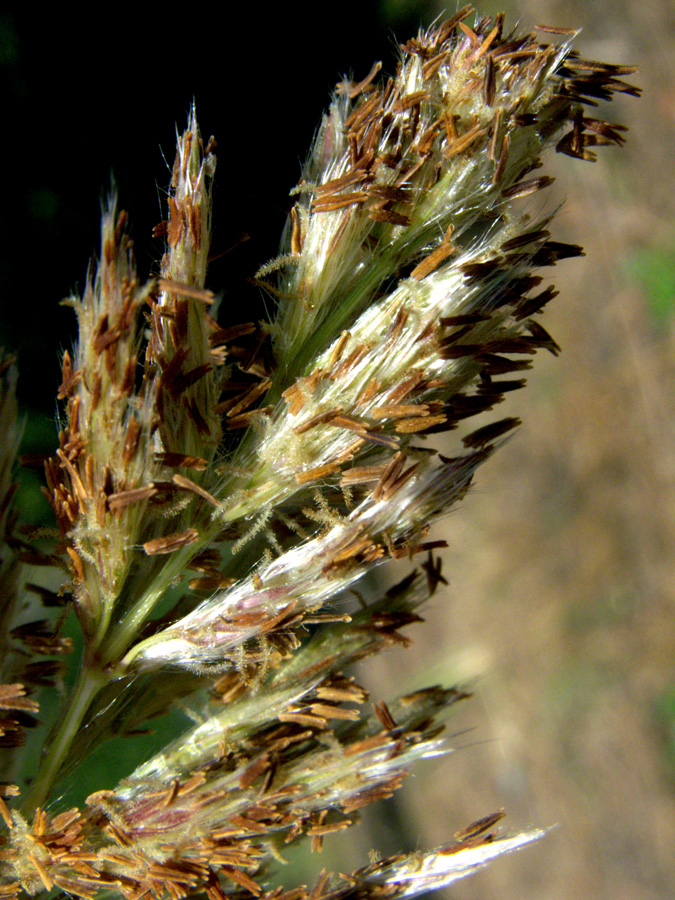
point(221, 489)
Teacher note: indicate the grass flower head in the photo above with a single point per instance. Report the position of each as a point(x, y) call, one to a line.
point(221, 487)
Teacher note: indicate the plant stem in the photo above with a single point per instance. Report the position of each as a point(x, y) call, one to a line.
point(89, 682)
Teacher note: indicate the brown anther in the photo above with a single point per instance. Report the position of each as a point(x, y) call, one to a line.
point(188, 485)
point(186, 290)
point(316, 473)
point(171, 542)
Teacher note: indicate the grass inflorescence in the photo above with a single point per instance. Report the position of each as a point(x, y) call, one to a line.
point(220, 486)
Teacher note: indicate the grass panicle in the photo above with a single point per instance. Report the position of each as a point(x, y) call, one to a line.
point(222, 487)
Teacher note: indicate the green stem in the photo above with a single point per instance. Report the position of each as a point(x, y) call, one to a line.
point(258, 493)
point(88, 684)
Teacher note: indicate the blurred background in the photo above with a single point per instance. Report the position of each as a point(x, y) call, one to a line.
point(560, 608)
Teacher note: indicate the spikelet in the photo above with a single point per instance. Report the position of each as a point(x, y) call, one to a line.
point(179, 345)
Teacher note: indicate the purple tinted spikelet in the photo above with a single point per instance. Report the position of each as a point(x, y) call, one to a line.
point(219, 573)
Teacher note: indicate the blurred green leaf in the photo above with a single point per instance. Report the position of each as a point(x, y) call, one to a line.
point(654, 270)
point(665, 720)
